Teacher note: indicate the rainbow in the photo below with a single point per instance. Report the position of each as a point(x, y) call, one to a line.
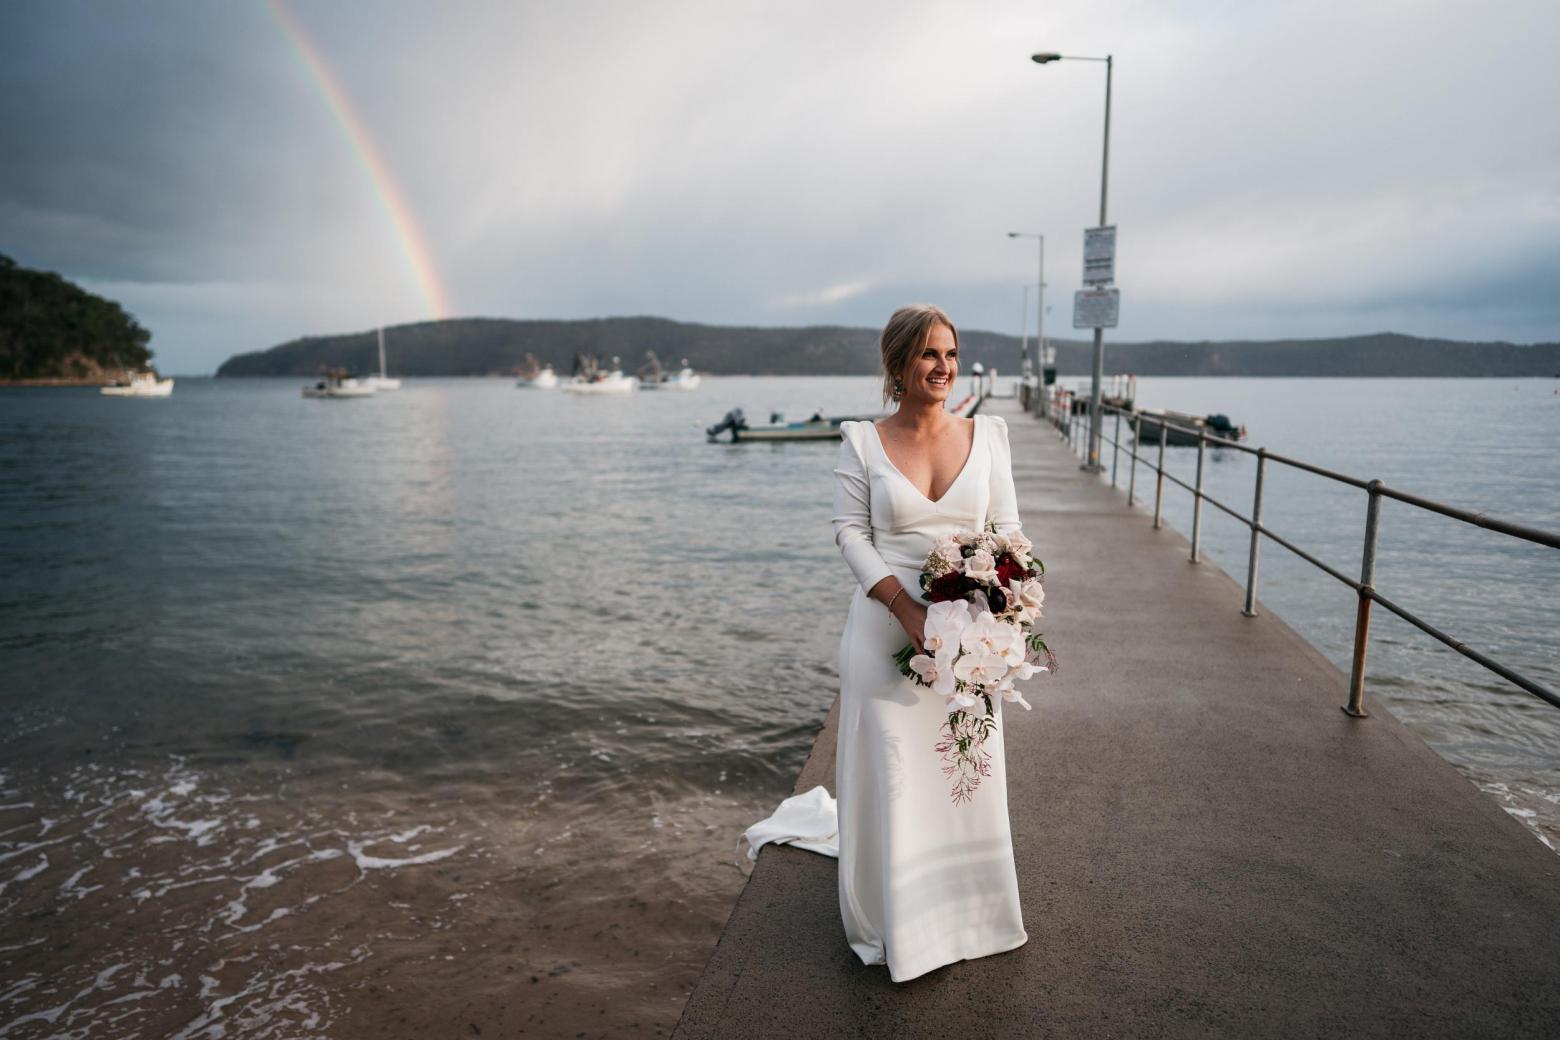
point(402, 222)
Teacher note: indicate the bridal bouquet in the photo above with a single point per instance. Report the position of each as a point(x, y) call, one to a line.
point(985, 592)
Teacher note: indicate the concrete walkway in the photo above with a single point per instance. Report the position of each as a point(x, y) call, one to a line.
point(1206, 845)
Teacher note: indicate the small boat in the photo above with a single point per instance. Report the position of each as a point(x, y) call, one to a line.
point(684, 378)
point(653, 377)
point(336, 383)
point(141, 384)
point(382, 381)
point(1181, 429)
point(613, 382)
point(533, 375)
point(546, 379)
point(590, 378)
point(818, 427)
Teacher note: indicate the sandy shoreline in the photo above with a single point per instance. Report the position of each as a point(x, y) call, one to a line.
point(161, 904)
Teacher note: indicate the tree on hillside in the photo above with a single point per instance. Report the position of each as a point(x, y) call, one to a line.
point(51, 328)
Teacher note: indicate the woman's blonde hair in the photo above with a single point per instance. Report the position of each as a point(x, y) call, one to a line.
point(905, 336)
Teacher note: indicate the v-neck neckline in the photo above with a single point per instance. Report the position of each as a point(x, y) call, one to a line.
point(974, 443)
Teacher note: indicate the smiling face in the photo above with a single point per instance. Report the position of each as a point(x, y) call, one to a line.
point(932, 372)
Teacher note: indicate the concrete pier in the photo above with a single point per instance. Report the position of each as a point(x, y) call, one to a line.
point(1206, 846)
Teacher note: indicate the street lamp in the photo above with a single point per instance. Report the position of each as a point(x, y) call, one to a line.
point(1023, 317)
point(1039, 313)
point(1093, 464)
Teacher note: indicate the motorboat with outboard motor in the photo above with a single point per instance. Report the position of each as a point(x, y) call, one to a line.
point(1181, 429)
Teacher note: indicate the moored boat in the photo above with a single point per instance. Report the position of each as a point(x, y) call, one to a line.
point(533, 374)
point(652, 376)
point(590, 378)
point(383, 381)
point(335, 383)
point(818, 427)
point(1181, 429)
point(141, 384)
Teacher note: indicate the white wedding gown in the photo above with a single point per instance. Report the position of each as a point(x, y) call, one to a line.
point(922, 882)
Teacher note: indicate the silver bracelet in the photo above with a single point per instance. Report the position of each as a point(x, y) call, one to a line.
point(895, 596)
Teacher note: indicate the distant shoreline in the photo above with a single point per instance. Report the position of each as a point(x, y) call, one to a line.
point(495, 346)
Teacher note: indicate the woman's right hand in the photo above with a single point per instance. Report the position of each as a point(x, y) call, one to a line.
point(911, 615)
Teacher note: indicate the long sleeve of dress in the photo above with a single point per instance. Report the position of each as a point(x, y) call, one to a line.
point(1004, 496)
point(853, 516)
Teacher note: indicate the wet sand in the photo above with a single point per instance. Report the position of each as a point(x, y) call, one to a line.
point(155, 904)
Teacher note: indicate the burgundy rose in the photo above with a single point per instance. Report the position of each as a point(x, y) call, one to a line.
point(1009, 569)
point(946, 588)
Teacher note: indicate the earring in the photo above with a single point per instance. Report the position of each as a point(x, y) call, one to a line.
point(899, 389)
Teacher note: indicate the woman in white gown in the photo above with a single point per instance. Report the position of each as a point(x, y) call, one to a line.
point(923, 882)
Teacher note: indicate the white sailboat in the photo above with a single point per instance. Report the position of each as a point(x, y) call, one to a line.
point(382, 381)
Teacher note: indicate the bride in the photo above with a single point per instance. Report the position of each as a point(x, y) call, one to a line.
point(922, 882)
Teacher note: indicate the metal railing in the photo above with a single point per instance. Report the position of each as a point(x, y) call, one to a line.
point(1071, 426)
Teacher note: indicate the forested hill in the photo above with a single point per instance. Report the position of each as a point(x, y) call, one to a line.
point(493, 346)
point(52, 330)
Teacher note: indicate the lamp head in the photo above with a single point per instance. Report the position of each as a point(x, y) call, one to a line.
point(1041, 59)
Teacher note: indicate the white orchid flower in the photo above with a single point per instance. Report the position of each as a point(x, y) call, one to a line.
point(945, 625)
point(980, 668)
point(1018, 545)
point(1014, 652)
point(966, 699)
point(936, 671)
point(1025, 669)
point(1010, 692)
point(987, 635)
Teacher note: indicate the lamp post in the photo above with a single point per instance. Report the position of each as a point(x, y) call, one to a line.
point(1093, 464)
point(1024, 321)
point(1039, 312)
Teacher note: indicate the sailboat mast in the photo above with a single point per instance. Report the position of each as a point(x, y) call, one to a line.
point(381, 352)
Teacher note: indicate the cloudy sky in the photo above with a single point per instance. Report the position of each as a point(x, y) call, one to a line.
point(240, 173)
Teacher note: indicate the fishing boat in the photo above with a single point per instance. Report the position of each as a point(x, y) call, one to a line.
point(1181, 429)
point(141, 384)
point(684, 378)
point(590, 378)
point(613, 382)
point(534, 375)
point(335, 383)
point(652, 376)
point(382, 381)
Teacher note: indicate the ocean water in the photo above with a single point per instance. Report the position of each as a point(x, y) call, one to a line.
point(340, 718)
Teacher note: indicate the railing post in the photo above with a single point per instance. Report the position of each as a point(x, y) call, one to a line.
point(1115, 450)
point(1250, 610)
point(1137, 424)
point(1356, 706)
point(1159, 480)
point(1197, 497)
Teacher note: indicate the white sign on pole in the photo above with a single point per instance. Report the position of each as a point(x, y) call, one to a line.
point(1096, 308)
point(1099, 255)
